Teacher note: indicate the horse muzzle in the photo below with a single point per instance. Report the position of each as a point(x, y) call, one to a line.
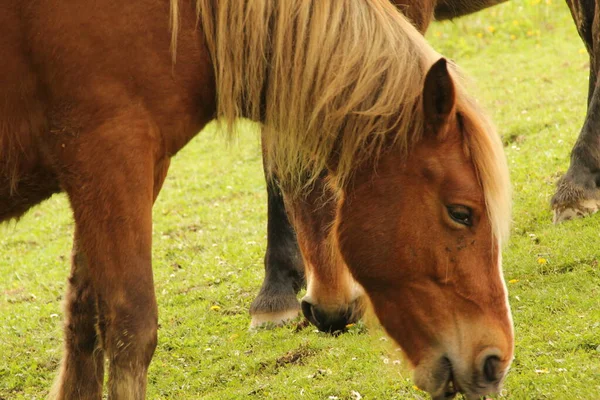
point(447, 378)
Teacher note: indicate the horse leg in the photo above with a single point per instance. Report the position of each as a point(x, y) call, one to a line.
point(110, 175)
point(578, 191)
point(284, 272)
point(82, 368)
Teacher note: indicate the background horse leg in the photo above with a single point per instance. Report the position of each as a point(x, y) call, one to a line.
point(82, 368)
point(284, 272)
point(577, 192)
point(110, 175)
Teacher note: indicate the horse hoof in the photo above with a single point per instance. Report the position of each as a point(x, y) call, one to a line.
point(576, 196)
point(273, 309)
point(578, 209)
point(278, 318)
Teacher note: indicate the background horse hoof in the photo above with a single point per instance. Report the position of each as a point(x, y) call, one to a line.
point(273, 319)
point(273, 310)
point(578, 209)
point(573, 201)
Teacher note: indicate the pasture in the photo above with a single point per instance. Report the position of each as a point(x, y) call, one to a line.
point(528, 67)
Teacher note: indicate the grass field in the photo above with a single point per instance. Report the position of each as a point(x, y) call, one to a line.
point(528, 67)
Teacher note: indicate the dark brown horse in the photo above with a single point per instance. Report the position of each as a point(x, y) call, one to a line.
point(99, 96)
point(333, 299)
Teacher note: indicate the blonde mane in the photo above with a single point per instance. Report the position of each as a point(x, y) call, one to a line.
point(331, 82)
point(487, 153)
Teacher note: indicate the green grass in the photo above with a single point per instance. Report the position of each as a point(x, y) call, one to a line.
point(528, 68)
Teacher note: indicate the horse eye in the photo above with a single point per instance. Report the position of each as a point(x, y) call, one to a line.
point(461, 214)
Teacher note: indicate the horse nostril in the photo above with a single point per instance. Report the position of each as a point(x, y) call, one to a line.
point(491, 368)
point(309, 314)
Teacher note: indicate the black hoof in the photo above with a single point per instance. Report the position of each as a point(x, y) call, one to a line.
point(573, 200)
point(273, 310)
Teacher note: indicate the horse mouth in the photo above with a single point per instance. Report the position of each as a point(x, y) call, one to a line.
point(451, 387)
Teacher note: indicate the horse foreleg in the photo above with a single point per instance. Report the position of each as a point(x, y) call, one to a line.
point(578, 191)
point(82, 368)
point(110, 177)
point(276, 302)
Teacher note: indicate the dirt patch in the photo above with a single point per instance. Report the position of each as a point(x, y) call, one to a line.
point(294, 357)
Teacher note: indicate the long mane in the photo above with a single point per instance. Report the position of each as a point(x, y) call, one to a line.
point(333, 81)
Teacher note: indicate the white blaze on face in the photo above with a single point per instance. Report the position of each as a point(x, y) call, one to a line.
point(508, 311)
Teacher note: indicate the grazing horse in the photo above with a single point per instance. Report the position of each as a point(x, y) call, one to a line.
point(99, 97)
point(295, 256)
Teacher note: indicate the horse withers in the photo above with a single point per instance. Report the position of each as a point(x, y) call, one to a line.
point(99, 97)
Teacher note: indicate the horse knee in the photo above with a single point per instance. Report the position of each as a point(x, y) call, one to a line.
point(149, 340)
point(130, 346)
point(131, 342)
point(131, 334)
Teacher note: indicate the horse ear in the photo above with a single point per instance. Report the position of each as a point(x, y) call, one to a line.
point(439, 97)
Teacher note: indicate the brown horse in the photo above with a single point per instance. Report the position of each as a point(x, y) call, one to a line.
point(99, 97)
point(297, 256)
